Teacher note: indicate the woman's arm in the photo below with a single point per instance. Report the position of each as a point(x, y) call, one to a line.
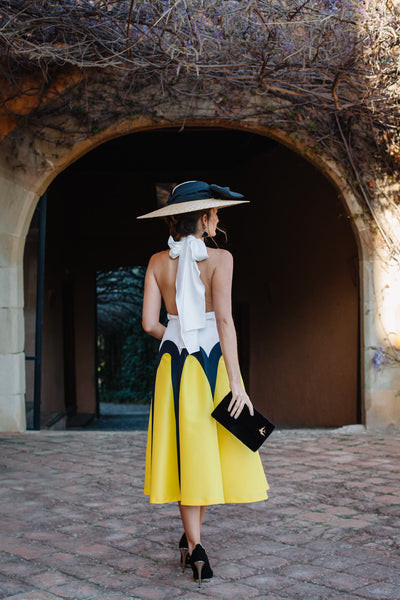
point(222, 301)
point(152, 304)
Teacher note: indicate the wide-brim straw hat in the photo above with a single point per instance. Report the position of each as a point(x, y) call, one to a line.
point(196, 195)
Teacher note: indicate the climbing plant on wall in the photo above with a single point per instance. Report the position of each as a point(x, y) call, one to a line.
point(324, 71)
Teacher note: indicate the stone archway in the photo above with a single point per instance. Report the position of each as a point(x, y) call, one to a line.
point(24, 192)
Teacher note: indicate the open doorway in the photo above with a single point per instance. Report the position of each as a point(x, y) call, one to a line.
point(126, 356)
point(296, 277)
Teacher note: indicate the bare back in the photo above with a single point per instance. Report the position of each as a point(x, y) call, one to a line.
point(165, 268)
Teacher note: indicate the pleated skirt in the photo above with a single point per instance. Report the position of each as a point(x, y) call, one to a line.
point(189, 456)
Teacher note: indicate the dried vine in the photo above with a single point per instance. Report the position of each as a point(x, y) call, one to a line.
point(329, 68)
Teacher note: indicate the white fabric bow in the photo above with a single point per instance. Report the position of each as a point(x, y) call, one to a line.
point(190, 291)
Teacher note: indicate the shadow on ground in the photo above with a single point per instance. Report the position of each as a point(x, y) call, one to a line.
point(121, 417)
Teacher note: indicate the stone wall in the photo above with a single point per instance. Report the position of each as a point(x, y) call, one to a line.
point(21, 185)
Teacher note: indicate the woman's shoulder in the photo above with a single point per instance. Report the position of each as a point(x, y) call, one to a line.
point(219, 255)
point(158, 257)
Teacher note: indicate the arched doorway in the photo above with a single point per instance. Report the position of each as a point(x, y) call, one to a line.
point(296, 279)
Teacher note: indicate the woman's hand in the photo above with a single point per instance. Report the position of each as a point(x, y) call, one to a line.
point(239, 400)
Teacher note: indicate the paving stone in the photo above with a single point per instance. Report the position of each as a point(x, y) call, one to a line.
point(295, 554)
point(127, 596)
point(380, 591)
point(34, 595)
point(156, 593)
point(117, 596)
point(229, 591)
point(10, 587)
point(120, 581)
point(342, 563)
point(310, 591)
point(265, 581)
point(58, 558)
point(77, 590)
point(194, 595)
point(262, 563)
point(378, 572)
point(344, 596)
point(31, 551)
point(75, 524)
point(49, 579)
point(19, 567)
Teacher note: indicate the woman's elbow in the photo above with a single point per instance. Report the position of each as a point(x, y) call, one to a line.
point(224, 321)
point(148, 325)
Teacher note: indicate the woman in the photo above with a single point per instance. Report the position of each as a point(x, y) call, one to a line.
point(190, 458)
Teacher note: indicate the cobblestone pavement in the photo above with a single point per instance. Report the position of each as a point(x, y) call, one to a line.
point(75, 524)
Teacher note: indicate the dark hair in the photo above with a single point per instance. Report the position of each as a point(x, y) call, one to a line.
point(185, 223)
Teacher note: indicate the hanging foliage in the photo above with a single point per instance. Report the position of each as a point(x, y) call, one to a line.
point(326, 72)
point(334, 55)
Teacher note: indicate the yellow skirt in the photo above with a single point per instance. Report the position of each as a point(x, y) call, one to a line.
point(189, 456)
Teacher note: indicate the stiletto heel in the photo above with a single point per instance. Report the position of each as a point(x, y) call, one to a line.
point(200, 565)
point(184, 549)
point(184, 557)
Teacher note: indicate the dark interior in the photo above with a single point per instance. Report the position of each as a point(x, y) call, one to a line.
point(296, 277)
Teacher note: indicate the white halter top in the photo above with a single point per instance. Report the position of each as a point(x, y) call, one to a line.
point(190, 291)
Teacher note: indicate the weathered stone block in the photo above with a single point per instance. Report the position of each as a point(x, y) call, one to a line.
point(12, 412)
point(16, 205)
point(12, 330)
point(11, 287)
point(12, 374)
point(382, 408)
point(11, 248)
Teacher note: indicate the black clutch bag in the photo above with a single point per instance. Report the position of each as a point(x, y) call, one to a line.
point(252, 431)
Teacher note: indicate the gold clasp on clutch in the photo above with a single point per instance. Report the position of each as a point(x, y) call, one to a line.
point(262, 431)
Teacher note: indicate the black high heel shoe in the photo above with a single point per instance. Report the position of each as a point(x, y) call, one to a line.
point(184, 549)
point(200, 565)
